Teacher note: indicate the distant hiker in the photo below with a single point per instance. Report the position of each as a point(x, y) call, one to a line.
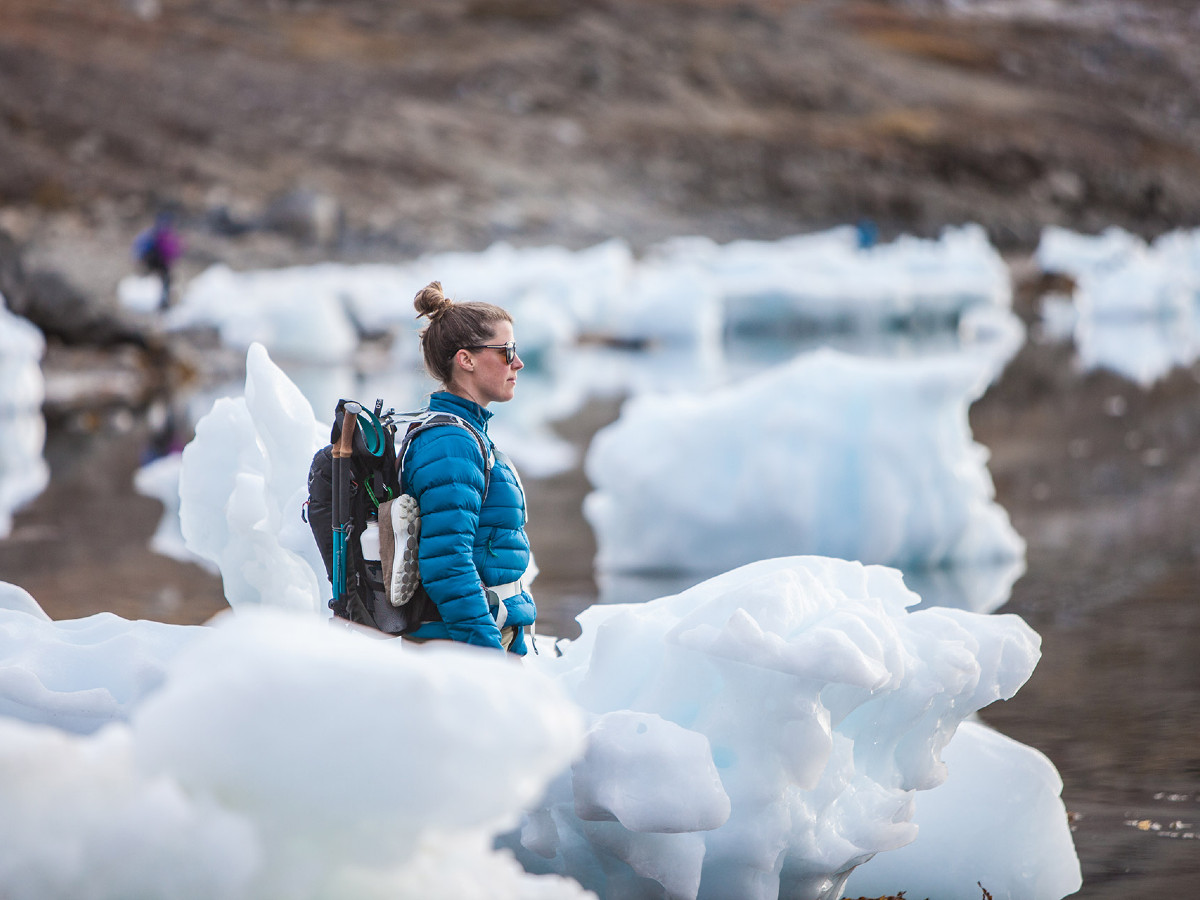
point(473, 548)
point(156, 249)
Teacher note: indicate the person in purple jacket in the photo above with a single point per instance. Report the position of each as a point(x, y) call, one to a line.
point(157, 248)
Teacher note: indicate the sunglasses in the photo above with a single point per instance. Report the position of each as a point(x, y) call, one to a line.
point(510, 350)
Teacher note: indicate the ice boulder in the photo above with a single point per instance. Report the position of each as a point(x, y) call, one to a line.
point(81, 674)
point(359, 744)
point(159, 479)
point(242, 489)
point(23, 472)
point(21, 347)
point(803, 692)
point(581, 284)
point(1134, 307)
point(284, 757)
point(296, 313)
point(1065, 252)
point(828, 281)
point(830, 455)
point(140, 293)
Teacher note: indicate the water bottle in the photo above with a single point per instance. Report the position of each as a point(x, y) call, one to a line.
point(370, 542)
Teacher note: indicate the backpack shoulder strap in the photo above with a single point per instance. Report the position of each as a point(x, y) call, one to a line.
point(429, 419)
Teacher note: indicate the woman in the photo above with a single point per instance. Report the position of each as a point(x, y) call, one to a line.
point(473, 549)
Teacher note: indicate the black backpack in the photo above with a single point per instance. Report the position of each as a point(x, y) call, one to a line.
point(373, 480)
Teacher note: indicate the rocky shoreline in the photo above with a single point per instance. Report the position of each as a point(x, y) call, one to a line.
point(296, 131)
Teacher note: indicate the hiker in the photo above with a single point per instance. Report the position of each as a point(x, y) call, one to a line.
point(156, 249)
point(473, 549)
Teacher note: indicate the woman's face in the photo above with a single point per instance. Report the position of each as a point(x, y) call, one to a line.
point(483, 374)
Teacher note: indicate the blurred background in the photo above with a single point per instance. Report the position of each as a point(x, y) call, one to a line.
point(278, 133)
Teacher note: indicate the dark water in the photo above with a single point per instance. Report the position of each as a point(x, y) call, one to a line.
point(1114, 703)
point(1111, 585)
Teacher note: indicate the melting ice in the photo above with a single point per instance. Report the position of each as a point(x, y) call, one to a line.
point(23, 472)
point(763, 733)
point(769, 732)
point(1133, 309)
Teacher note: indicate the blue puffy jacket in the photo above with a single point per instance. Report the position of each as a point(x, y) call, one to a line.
point(468, 541)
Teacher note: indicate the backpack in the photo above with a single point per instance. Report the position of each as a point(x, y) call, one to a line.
point(374, 480)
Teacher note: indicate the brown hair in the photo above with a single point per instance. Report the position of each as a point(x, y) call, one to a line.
point(452, 326)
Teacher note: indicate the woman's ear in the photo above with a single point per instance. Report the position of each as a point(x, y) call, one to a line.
point(464, 361)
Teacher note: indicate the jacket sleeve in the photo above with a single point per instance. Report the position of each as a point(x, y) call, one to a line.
point(444, 472)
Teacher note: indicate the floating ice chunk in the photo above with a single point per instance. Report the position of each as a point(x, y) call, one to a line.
point(278, 757)
point(79, 674)
point(825, 701)
point(140, 293)
point(581, 283)
point(1066, 252)
point(23, 472)
point(328, 737)
point(1135, 307)
point(1141, 287)
point(997, 821)
point(160, 479)
point(667, 303)
point(1142, 350)
point(830, 454)
point(242, 490)
point(22, 387)
point(826, 280)
point(294, 312)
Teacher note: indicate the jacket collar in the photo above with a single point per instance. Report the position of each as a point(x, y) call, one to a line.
point(444, 401)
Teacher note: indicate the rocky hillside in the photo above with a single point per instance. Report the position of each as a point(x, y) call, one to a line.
point(284, 130)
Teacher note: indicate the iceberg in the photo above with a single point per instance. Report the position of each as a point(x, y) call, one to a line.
point(766, 732)
point(1135, 308)
point(281, 757)
point(82, 674)
point(242, 491)
point(23, 472)
point(829, 455)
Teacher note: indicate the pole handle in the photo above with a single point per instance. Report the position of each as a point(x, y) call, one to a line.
point(345, 445)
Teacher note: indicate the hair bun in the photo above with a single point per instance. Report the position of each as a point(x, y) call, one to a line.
point(431, 302)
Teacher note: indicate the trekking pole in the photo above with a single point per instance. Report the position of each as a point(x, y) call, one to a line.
point(341, 500)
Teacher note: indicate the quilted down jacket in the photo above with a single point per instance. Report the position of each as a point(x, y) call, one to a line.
point(468, 541)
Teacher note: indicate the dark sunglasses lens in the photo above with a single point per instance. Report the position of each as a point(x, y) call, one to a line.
point(510, 352)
